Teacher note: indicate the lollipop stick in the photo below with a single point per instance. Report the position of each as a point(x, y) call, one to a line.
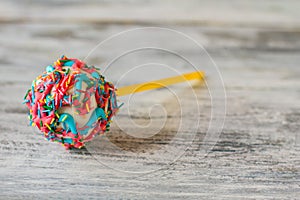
point(130, 89)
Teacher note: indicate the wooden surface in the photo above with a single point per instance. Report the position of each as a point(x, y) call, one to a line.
point(257, 156)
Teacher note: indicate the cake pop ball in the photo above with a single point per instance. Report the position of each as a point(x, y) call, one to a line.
point(71, 102)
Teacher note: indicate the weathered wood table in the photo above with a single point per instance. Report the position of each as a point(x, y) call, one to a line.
point(256, 47)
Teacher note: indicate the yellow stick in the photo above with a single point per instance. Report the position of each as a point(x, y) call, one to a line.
point(159, 83)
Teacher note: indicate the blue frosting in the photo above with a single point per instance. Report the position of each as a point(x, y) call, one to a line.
point(68, 121)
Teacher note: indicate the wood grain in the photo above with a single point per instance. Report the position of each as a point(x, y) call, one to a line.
point(256, 157)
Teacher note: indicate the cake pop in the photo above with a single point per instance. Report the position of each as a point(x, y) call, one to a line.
point(71, 102)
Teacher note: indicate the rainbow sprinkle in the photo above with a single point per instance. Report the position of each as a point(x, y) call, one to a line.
point(70, 83)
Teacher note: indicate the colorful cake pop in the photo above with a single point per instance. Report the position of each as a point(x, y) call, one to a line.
point(71, 102)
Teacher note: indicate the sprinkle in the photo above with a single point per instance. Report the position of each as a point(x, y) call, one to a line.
point(65, 117)
point(60, 92)
point(32, 93)
point(85, 99)
point(48, 127)
point(57, 115)
point(69, 79)
point(39, 111)
point(87, 107)
point(26, 101)
point(26, 94)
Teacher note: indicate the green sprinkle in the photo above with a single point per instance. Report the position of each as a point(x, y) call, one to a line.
point(47, 107)
point(67, 72)
point(26, 94)
point(85, 99)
